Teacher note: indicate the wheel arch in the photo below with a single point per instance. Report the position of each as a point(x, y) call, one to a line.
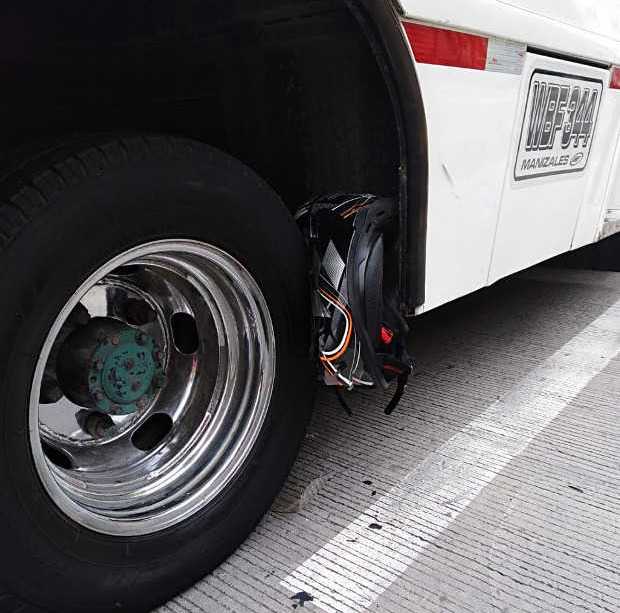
point(381, 23)
point(316, 96)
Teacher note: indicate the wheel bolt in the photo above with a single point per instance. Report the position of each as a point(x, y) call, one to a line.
point(115, 340)
point(94, 423)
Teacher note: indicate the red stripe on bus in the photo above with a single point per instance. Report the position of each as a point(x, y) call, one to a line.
point(615, 78)
point(446, 47)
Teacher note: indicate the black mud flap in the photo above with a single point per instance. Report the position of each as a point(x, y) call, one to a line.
point(361, 335)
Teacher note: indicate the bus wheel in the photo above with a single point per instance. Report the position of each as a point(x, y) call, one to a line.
point(155, 370)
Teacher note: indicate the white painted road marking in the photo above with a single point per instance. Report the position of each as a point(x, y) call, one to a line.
point(544, 532)
point(437, 491)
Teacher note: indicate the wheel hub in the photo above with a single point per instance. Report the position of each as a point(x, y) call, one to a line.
point(125, 374)
point(111, 367)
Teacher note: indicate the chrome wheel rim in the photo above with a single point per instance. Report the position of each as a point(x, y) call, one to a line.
point(182, 443)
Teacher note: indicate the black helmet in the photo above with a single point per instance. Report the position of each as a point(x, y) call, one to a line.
point(361, 336)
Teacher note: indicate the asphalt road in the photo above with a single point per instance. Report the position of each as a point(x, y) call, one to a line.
point(494, 487)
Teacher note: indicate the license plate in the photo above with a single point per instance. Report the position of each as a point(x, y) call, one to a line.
point(559, 124)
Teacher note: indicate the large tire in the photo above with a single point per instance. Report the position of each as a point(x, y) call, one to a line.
point(63, 214)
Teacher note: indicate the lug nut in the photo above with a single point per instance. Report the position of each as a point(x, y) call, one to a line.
point(115, 340)
point(94, 423)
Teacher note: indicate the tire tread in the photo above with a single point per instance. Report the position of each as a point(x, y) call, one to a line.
point(35, 180)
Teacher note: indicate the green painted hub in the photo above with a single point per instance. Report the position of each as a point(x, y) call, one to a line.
point(125, 373)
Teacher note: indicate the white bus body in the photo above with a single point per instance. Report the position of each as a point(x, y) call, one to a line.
point(488, 214)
